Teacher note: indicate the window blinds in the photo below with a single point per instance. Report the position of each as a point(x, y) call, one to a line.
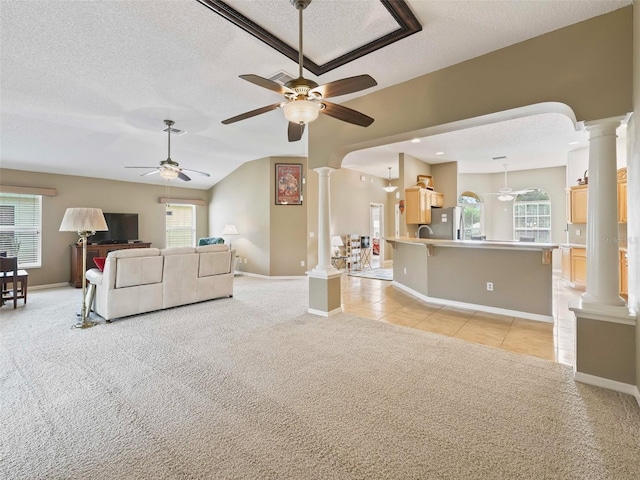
point(20, 227)
point(181, 225)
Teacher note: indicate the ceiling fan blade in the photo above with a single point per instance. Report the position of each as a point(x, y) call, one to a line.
point(142, 167)
point(295, 131)
point(266, 83)
point(252, 113)
point(344, 86)
point(150, 173)
point(346, 114)
point(204, 174)
point(184, 177)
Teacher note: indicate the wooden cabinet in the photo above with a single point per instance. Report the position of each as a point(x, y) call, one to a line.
point(622, 202)
point(418, 206)
point(566, 263)
point(437, 199)
point(577, 204)
point(624, 273)
point(579, 267)
point(94, 251)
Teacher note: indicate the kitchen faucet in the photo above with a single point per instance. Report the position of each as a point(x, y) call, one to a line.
point(421, 227)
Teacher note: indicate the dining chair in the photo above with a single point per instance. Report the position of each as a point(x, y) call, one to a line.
point(9, 271)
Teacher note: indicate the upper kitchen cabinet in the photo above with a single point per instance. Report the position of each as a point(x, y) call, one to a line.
point(418, 205)
point(622, 195)
point(577, 204)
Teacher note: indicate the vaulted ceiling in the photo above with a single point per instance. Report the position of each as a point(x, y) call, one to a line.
point(85, 86)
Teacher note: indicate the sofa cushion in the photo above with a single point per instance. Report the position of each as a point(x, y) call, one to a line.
point(138, 271)
point(177, 250)
point(212, 248)
point(134, 252)
point(214, 263)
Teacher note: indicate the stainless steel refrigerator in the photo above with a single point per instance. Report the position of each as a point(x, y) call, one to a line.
point(446, 224)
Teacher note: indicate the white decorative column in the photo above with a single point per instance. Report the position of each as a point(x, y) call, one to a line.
point(324, 221)
point(602, 219)
point(324, 279)
point(605, 331)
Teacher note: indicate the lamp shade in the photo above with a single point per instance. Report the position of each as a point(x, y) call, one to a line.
point(230, 230)
point(83, 220)
point(301, 111)
point(336, 241)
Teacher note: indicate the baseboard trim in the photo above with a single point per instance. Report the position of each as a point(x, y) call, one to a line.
point(50, 285)
point(608, 384)
point(474, 306)
point(321, 313)
point(271, 277)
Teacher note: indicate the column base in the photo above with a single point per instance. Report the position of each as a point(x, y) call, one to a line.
point(324, 293)
point(590, 301)
point(605, 344)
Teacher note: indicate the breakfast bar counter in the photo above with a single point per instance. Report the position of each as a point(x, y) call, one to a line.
point(508, 278)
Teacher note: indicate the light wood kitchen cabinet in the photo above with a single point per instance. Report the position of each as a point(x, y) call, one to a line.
point(418, 206)
point(437, 199)
point(579, 267)
point(624, 273)
point(566, 263)
point(577, 204)
point(622, 195)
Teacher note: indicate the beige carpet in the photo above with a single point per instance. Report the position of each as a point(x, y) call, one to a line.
point(255, 388)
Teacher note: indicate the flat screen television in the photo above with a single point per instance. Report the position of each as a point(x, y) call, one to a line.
point(123, 228)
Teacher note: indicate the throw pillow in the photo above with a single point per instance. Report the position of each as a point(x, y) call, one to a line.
point(99, 261)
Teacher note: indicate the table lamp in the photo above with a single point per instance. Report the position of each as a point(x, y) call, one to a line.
point(336, 243)
point(85, 221)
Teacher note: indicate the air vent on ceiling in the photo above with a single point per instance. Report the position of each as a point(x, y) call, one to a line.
point(174, 131)
point(500, 158)
point(281, 77)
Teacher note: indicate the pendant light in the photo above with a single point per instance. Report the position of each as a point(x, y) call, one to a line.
point(389, 188)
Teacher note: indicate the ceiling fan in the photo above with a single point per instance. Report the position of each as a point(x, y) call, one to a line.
point(304, 99)
point(506, 194)
point(168, 168)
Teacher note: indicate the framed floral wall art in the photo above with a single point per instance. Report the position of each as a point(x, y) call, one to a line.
point(288, 184)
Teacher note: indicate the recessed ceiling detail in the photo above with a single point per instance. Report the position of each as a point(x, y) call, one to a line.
point(398, 9)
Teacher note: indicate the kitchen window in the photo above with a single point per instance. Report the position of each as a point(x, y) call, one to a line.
point(472, 213)
point(532, 216)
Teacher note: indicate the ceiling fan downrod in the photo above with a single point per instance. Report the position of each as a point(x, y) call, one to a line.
point(300, 6)
point(169, 124)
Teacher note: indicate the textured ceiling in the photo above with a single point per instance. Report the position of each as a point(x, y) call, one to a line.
point(85, 86)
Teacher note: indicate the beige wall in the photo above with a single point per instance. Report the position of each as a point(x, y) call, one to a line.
point(109, 195)
point(272, 238)
point(633, 179)
point(445, 181)
point(351, 198)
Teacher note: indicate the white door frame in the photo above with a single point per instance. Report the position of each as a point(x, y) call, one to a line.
point(380, 207)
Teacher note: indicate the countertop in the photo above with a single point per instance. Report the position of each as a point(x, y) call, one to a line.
point(622, 247)
point(490, 244)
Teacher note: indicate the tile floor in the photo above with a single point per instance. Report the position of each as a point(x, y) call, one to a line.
point(378, 300)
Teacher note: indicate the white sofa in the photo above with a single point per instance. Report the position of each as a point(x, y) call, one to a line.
point(141, 280)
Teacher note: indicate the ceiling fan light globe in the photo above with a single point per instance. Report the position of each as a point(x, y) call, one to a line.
point(168, 173)
point(505, 198)
point(301, 111)
point(389, 189)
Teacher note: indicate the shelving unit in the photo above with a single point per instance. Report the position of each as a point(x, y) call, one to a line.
point(353, 250)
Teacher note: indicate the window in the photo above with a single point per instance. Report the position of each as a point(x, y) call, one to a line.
point(472, 209)
point(181, 225)
point(532, 215)
point(21, 227)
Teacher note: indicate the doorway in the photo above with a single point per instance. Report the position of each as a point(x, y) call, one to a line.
point(376, 229)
